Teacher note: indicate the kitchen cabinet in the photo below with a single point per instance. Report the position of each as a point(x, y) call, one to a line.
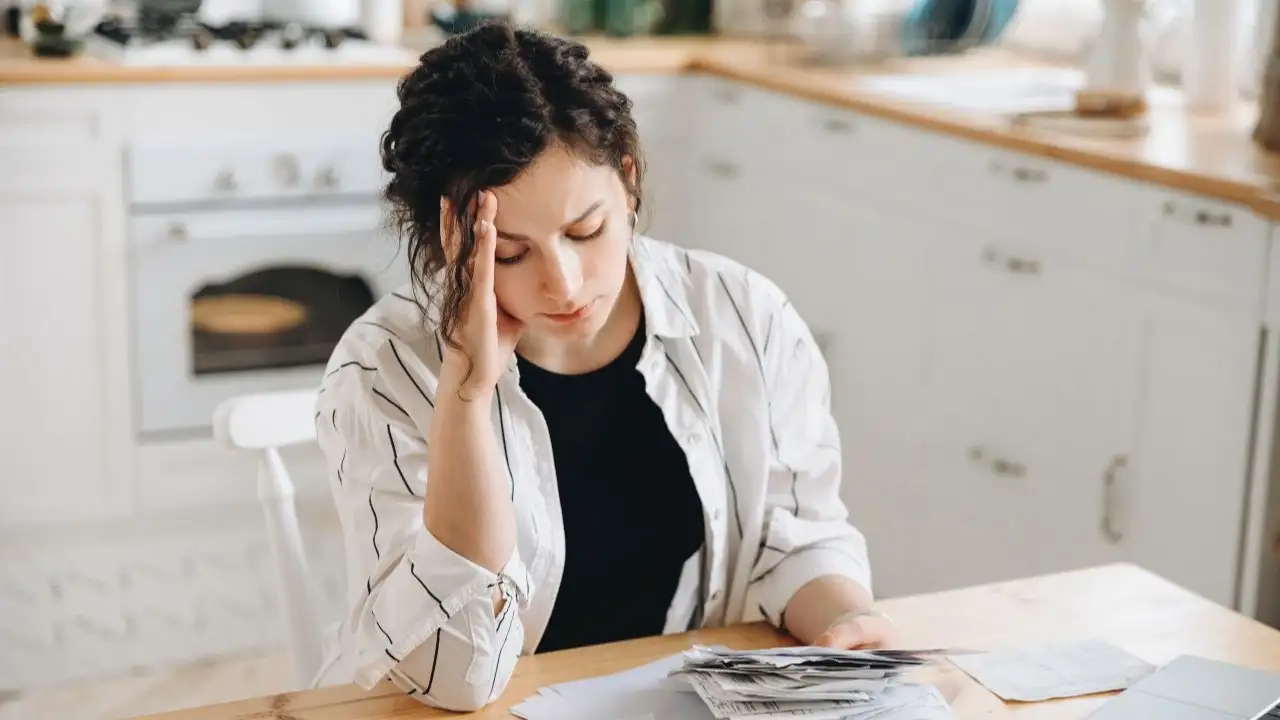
point(1032, 391)
point(1035, 367)
point(61, 206)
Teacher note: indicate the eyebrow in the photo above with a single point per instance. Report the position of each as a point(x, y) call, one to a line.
point(517, 237)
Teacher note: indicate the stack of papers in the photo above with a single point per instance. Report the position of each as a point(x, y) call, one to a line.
point(808, 682)
point(720, 684)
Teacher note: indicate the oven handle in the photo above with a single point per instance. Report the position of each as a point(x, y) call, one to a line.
point(240, 226)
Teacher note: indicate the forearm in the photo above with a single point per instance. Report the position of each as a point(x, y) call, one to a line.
point(468, 506)
point(817, 603)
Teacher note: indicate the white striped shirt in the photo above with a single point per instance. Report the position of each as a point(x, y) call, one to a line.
point(740, 382)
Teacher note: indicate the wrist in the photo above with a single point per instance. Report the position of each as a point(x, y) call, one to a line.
point(858, 613)
point(455, 383)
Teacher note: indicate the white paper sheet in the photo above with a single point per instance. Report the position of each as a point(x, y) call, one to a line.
point(648, 693)
point(1054, 671)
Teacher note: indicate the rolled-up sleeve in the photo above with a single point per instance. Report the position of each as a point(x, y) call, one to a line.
point(807, 534)
point(419, 614)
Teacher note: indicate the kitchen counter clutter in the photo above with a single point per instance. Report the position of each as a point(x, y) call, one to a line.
point(1119, 604)
point(1211, 155)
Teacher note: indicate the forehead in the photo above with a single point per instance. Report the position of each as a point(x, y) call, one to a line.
point(556, 188)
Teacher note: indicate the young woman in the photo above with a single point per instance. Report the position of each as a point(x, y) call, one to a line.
point(563, 432)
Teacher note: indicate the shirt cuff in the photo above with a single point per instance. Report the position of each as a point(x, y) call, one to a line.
point(785, 566)
point(427, 587)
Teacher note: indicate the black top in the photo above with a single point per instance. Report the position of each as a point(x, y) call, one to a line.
point(632, 516)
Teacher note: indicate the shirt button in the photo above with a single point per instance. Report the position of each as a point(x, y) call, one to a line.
point(716, 514)
point(694, 438)
point(715, 595)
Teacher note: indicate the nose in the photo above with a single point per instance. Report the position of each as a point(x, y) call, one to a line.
point(562, 275)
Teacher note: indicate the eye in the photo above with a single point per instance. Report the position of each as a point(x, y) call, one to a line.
point(511, 259)
point(589, 236)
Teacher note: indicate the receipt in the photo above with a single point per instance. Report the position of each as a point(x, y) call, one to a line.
point(1054, 671)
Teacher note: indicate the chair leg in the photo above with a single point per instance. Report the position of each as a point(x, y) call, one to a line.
point(294, 583)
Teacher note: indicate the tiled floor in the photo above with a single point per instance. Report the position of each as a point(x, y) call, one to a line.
point(172, 689)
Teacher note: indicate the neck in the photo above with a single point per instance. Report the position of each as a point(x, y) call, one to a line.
point(595, 351)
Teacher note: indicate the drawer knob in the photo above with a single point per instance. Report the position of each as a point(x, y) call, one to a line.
point(722, 168)
point(837, 126)
point(177, 232)
point(1012, 263)
point(288, 170)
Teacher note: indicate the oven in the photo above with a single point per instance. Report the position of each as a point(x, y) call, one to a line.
point(249, 259)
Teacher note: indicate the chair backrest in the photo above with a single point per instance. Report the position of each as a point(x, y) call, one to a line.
point(266, 422)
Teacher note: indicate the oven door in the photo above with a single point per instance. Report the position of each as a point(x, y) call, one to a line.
point(237, 301)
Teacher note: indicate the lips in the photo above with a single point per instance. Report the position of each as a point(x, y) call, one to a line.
point(577, 314)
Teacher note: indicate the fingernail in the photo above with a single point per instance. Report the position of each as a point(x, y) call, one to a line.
point(484, 227)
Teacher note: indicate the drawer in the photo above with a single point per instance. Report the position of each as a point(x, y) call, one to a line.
point(1066, 210)
point(226, 169)
point(815, 145)
point(1209, 248)
point(53, 117)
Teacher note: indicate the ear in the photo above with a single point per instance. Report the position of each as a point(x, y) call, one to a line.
point(629, 171)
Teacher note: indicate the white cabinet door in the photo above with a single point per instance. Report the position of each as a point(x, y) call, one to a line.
point(869, 298)
point(53, 448)
point(1178, 509)
point(1033, 389)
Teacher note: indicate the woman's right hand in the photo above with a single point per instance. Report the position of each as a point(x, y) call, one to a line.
point(486, 333)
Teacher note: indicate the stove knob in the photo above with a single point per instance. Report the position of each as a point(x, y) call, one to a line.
point(328, 178)
point(201, 39)
point(292, 35)
point(247, 39)
point(333, 38)
point(226, 181)
point(288, 170)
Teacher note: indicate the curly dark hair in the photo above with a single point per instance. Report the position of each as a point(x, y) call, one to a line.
point(474, 114)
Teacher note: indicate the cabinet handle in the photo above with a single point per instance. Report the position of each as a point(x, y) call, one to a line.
point(837, 126)
point(1109, 480)
point(1030, 175)
point(1020, 173)
point(1012, 263)
point(722, 168)
point(1201, 217)
point(998, 465)
point(177, 232)
point(1204, 217)
point(726, 95)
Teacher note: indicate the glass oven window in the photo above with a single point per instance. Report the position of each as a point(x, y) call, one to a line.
point(276, 317)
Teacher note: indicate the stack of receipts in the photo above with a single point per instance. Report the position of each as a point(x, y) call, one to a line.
point(811, 683)
point(707, 683)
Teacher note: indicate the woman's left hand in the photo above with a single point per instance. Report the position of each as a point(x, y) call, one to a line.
point(859, 630)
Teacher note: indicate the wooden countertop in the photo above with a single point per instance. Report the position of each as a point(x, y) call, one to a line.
point(1212, 156)
point(1121, 604)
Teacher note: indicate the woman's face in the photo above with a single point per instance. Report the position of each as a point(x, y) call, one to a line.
point(563, 235)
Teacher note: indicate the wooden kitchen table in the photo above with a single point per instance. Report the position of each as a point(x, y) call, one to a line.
point(1122, 604)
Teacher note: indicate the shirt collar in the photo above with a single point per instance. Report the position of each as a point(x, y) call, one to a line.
point(664, 289)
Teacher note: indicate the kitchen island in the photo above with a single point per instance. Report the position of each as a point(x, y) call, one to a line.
point(1120, 604)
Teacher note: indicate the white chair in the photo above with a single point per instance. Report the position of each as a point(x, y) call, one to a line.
point(265, 423)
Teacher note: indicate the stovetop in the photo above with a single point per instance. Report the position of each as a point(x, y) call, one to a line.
point(166, 40)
